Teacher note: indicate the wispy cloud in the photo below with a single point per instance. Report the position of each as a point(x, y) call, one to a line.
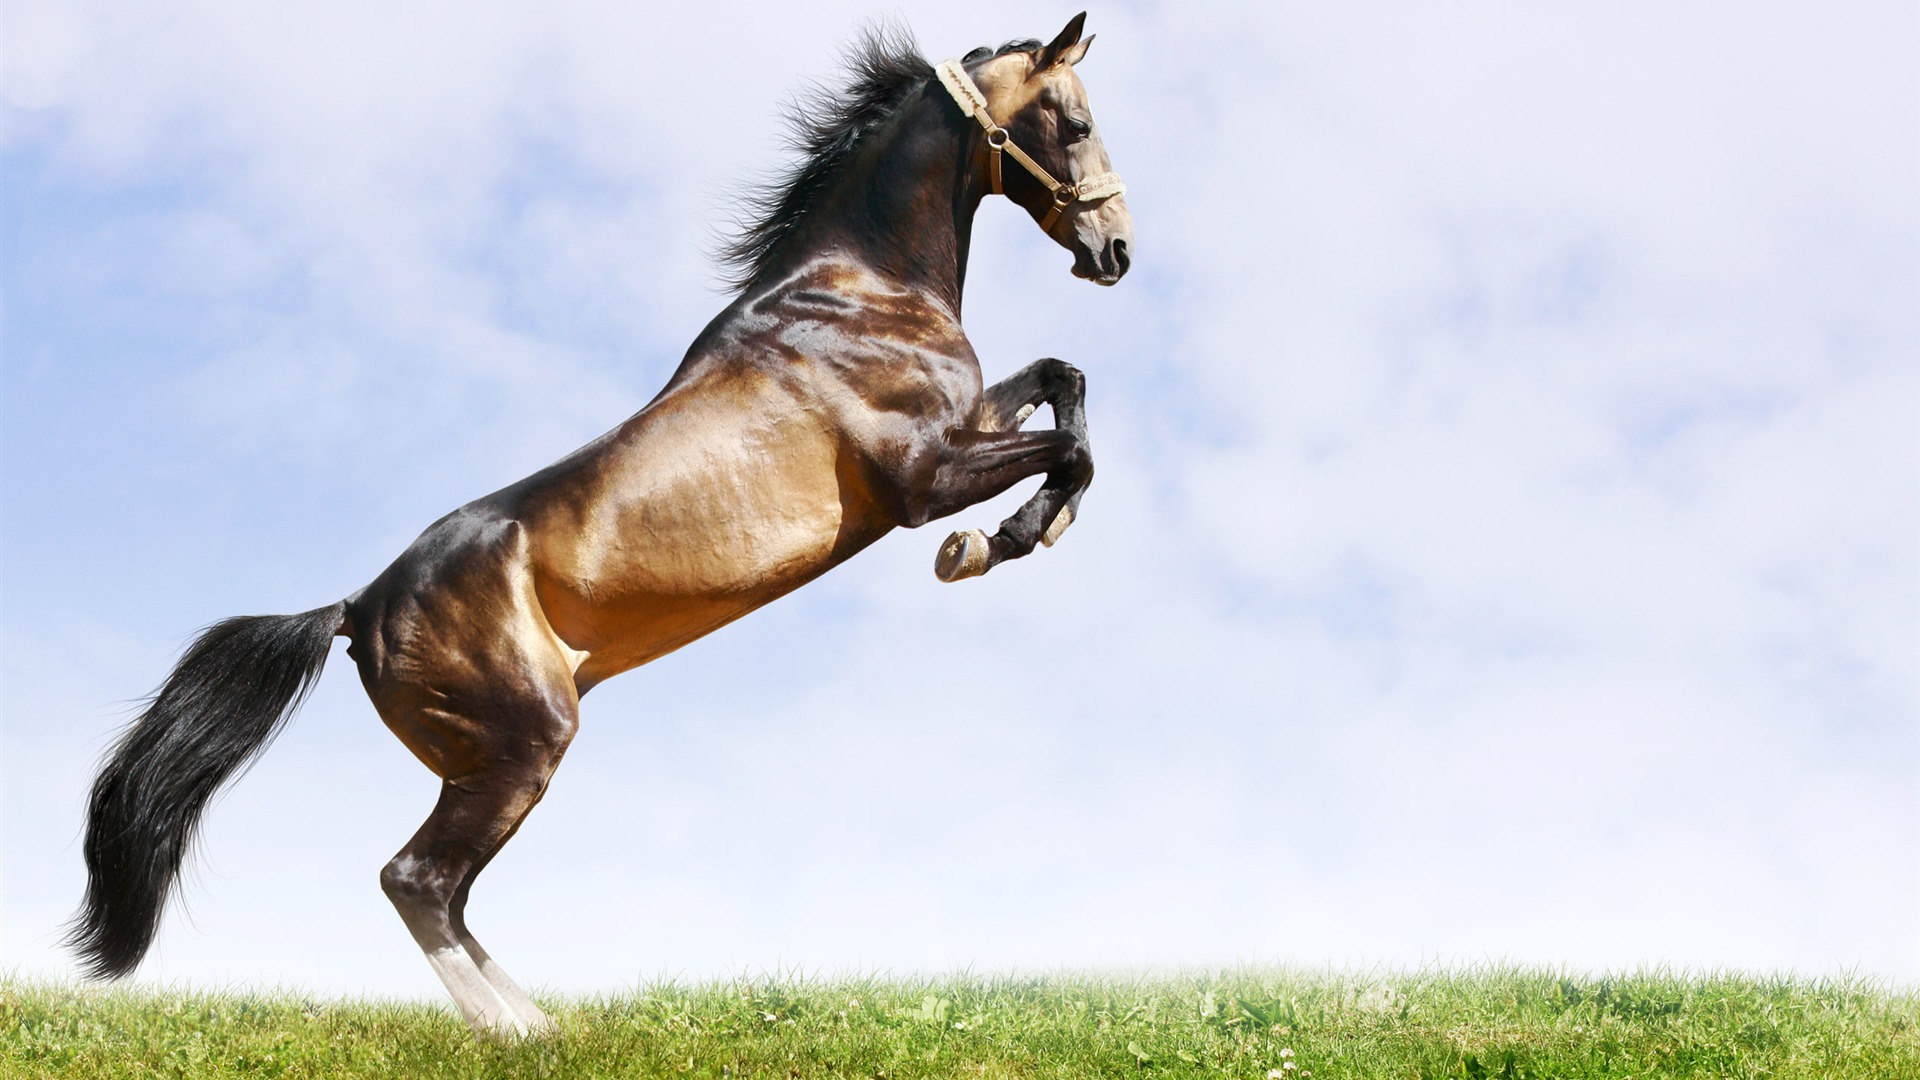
point(1503, 543)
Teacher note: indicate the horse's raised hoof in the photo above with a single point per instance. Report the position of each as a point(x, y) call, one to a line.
point(964, 555)
point(1060, 522)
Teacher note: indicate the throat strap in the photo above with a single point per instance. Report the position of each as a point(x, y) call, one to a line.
point(967, 95)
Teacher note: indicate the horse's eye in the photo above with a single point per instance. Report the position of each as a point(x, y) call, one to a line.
point(1077, 129)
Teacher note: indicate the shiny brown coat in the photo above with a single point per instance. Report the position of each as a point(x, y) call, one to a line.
point(836, 398)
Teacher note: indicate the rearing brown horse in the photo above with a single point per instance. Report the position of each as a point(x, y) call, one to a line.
point(835, 399)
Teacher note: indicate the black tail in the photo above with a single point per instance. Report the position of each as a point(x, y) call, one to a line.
point(226, 699)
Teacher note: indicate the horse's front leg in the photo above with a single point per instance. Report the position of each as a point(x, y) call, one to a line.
point(1007, 404)
point(974, 477)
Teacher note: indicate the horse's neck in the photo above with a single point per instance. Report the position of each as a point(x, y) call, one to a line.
point(904, 208)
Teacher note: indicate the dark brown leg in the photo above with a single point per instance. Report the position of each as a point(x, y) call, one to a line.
point(1041, 519)
point(478, 811)
point(496, 976)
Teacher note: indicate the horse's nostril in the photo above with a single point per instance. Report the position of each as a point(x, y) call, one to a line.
point(1120, 259)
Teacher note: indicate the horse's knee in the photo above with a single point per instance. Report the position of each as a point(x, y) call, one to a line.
point(1064, 380)
point(1078, 467)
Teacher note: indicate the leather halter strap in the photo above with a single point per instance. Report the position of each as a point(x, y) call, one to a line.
point(972, 102)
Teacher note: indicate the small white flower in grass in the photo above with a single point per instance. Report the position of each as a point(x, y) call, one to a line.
point(768, 1017)
point(1275, 1074)
point(1286, 1052)
point(959, 1025)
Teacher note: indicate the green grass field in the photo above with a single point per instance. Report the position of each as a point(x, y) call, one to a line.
point(1254, 1023)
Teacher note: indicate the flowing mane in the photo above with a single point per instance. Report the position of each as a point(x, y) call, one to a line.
point(825, 128)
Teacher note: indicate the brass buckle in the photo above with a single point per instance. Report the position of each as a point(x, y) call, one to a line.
point(1063, 196)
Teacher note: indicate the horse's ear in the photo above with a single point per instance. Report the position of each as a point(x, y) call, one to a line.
point(1058, 49)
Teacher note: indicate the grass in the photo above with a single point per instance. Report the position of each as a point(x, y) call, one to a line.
point(1254, 1023)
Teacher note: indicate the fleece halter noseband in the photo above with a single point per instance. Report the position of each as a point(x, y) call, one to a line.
point(974, 104)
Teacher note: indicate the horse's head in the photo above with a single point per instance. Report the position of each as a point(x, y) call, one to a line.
point(1047, 117)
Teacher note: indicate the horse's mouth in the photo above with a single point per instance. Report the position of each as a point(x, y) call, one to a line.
point(1097, 275)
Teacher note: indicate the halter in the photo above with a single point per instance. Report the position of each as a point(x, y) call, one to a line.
point(974, 104)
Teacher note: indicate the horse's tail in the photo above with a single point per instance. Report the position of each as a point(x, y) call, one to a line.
point(223, 703)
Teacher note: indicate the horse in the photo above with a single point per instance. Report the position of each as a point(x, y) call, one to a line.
point(834, 399)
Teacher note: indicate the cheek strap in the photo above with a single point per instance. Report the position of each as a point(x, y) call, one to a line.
point(972, 102)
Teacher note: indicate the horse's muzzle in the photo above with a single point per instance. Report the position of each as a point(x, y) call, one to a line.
point(1106, 268)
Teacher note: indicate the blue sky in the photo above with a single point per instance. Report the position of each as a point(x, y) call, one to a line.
point(1504, 544)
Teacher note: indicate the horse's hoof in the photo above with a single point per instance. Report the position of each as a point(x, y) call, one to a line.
point(511, 1029)
point(1060, 522)
point(964, 555)
point(526, 1028)
point(542, 1027)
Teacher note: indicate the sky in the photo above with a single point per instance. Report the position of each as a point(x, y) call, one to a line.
point(1505, 546)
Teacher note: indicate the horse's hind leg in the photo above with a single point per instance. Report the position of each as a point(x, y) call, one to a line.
point(490, 970)
point(510, 755)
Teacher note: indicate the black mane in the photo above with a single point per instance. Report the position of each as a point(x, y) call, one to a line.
point(825, 128)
